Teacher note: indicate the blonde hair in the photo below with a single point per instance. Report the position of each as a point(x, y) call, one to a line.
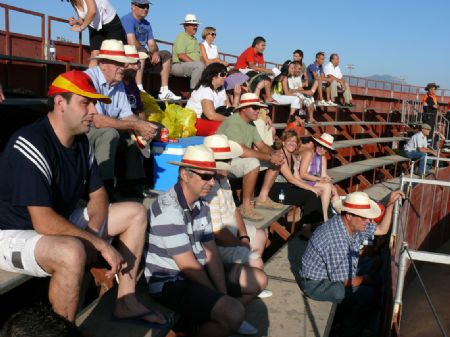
point(206, 31)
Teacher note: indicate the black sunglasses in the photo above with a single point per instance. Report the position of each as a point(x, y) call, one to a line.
point(212, 34)
point(205, 176)
point(223, 74)
point(146, 6)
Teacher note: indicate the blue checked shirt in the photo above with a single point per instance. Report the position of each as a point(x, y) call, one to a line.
point(332, 254)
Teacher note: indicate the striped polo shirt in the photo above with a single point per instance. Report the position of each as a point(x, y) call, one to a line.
point(175, 228)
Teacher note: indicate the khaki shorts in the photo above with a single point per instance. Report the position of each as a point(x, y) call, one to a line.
point(241, 166)
point(17, 246)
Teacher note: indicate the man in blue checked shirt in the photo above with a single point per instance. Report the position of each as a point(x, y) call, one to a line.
point(329, 265)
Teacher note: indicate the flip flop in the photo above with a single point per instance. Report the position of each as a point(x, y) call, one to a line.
point(140, 319)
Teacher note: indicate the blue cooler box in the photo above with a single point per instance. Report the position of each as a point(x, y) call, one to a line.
point(166, 175)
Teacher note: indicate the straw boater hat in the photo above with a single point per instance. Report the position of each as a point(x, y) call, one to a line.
point(431, 85)
point(113, 50)
point(76, 82)
point(200, 157)
point(325, 140)
point(250, 99)
point(358, 203)
point(190, 19)
point(131, 51)
point(222, 147)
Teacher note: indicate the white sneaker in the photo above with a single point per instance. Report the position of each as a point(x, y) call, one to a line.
point(322, 103)
point(265, 293)
point(247, 329)
point(330, 103)
point(168, 95)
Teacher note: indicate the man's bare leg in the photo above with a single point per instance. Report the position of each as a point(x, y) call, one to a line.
point(269, 179)
point(248, 186)
point(165, 72)
point(252, 282)
point(140, 73)
point(129, 221)
point(64, 258)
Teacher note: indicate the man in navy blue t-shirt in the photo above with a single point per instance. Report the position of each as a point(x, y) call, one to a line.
point(47, 167)
point(140, 34)
point(316, 73)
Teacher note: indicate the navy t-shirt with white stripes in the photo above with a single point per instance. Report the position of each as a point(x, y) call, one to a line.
point(37, 170)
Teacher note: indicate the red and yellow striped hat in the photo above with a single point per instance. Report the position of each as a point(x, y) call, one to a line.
point(77, 82)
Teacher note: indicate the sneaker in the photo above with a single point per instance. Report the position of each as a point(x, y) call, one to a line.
point(265, 293)
point(247, 329)
point(322, 103)
point(250, 213)
point(330, 103)
point(268, 204)
point(168, 95)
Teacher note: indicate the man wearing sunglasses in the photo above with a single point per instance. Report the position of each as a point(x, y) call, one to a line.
point(186, 56)
point(140, 34)
point(182, 264)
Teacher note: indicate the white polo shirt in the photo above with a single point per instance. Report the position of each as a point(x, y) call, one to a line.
point(330, 69)
point(416, 141)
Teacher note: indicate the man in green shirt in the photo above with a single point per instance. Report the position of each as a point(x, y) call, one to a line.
point(239, 128)
point(186, 57)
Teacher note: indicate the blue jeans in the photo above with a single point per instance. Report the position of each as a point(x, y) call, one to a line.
point(323, 290)
point(421, 156)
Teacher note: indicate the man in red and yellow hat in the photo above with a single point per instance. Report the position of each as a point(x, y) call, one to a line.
point(47, 167)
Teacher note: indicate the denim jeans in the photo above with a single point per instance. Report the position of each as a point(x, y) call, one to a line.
point(323, 290)
point(421, 156)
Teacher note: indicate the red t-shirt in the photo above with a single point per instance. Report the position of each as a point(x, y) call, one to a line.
point(247, 56)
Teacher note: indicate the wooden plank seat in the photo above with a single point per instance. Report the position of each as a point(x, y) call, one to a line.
point(96, 319)
point(288, 312)
point(353, 169)
point(366, 141)
point(270, 220)
point(279, 126)
point(9, 281)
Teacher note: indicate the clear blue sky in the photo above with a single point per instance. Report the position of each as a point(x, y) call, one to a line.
point(400, 38)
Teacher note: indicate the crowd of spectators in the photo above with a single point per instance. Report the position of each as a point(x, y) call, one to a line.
point(201, 258)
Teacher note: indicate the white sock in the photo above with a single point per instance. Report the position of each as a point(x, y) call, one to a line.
point(140, 86)
point(164, 88)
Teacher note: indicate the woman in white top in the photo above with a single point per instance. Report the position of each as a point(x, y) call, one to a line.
point(209, 99)
point(208, 49)
point(102, 21)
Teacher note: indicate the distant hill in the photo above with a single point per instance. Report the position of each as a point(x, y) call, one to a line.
point(387, 78)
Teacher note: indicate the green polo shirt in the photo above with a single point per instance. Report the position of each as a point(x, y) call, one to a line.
point(236, 129)
point(186, 44)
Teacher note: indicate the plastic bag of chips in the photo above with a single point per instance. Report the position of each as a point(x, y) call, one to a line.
point(153, 112)
point(179, 121)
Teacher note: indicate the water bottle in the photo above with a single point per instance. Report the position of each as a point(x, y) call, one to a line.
point(281, 197)
point(51, 51)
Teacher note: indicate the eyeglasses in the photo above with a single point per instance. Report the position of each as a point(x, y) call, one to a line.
point(255, 107)
point(205, 176)
point(223, 74)
point(212, 34)
point(142, 6)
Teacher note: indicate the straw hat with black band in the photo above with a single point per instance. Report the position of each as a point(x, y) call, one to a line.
point(202, 158)
point(76, 82)
point(360, 204)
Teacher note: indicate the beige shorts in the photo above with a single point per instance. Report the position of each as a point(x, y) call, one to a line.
point(240, 254)
point(241, 166)
point(17, 246)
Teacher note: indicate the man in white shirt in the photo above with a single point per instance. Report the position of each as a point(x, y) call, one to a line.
point(333, 72)
point(417, 148)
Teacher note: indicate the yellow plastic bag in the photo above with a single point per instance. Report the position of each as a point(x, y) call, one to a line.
point(179, 121)
point(152, 111)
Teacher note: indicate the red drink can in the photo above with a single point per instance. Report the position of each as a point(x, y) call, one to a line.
point(164, 135)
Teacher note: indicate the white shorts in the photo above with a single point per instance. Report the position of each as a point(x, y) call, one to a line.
point(17, 246)
point(241, 166)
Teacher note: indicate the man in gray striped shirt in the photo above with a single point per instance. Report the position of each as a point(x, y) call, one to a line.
point(182, 264)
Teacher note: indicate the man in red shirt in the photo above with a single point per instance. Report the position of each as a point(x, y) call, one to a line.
point(251, 62)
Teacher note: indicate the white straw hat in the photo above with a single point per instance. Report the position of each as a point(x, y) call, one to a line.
point(200, 157)
point(222, 147)
point(131, 51)
point(190, 19)
point(358, 203)
point(113, 50)
point(325, 140)
point(249, 99)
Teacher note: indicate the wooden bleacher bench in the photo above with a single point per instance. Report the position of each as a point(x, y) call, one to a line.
point(288, 312)
point(353, 169)
point(9, 281)
point(96, 319)
point(339, 123)
point(366, 141)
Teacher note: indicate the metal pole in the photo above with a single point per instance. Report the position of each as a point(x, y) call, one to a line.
point(396, 216)
point(401, 274)
point(425, 165)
